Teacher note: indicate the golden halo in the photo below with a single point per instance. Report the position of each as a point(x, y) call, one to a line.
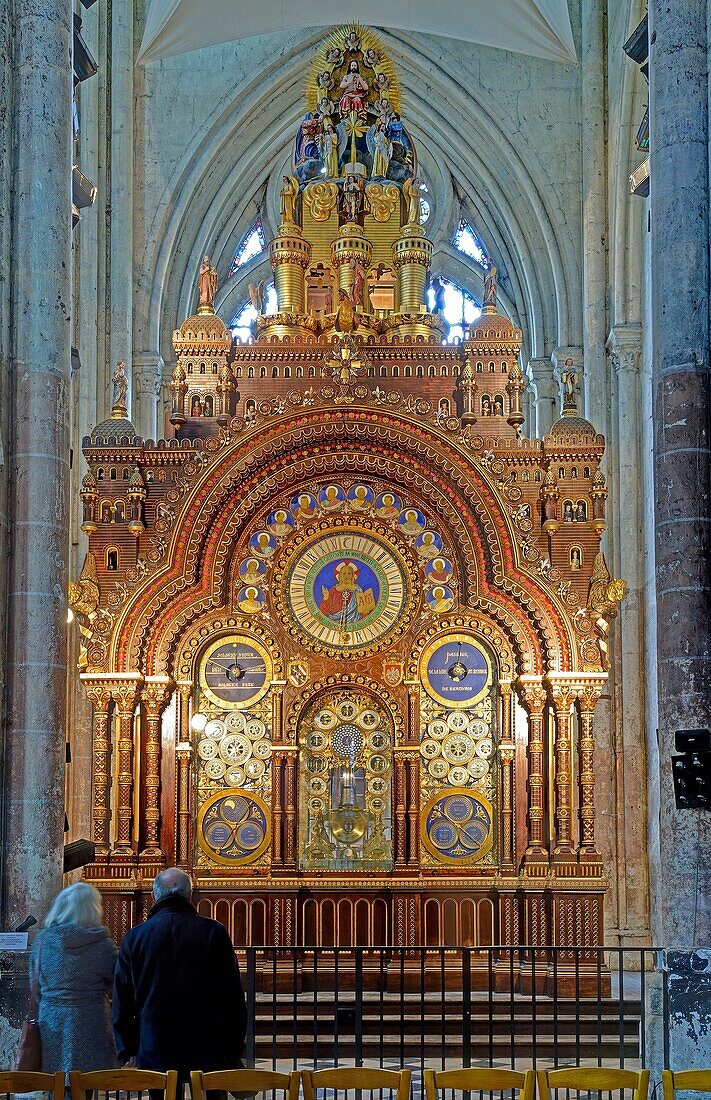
point(336, 40)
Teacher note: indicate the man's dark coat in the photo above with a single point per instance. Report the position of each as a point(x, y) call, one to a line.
point(178, 1000)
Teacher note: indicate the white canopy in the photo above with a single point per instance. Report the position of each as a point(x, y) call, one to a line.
point(540, 28)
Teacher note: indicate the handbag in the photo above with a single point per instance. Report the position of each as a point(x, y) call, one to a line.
point(29, 1049)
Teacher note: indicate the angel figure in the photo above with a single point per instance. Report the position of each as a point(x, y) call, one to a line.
point(207, 283)
point(371, 57)
point(334, 56)
point(411, 190)
point(326, 107)
point(352, 41)
point(382, 82)
point(289, 194)
point(329, 152)
point(383, 109)
point(257, 296)
point(325, 80)
point(381, 149)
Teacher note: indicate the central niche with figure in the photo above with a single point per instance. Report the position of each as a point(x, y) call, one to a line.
point(345, 739)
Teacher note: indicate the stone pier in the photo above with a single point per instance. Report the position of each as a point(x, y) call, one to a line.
point(38, 469)
point(679, 117)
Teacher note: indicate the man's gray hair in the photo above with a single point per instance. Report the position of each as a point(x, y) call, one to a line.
point(172, 881)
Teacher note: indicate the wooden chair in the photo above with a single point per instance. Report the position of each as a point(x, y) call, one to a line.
point(17, 1082)
point(696, 1080)
point(480, 1080)
point(123, 1080)
point(356, 1077)
point(245, 1082)
point(593, 1079)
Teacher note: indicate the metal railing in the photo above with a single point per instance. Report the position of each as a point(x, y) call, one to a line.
point(434, 1007)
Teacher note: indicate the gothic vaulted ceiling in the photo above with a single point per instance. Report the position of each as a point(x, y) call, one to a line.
point(539, 28)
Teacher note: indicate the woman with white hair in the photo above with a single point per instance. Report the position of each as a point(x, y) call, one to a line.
point(74, 960)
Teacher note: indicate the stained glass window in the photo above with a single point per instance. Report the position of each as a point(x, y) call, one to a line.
point(251, 245)
point(459, 310)
point(425, 204)
point(242, 321)
point(466, 240)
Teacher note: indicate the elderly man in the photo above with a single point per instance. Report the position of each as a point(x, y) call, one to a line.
point(178, 1000)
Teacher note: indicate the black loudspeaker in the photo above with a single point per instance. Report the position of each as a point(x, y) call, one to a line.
point(691, 770)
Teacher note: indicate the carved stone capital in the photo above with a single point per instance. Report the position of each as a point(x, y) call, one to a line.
point(624, 346)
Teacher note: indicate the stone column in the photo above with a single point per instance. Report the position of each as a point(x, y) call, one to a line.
point(679, 114)
point(628, 675)
point(546, 399)
point(147, 386)
point(594, 382)
point(119, 182)
point(679, 136)
point(40, 139)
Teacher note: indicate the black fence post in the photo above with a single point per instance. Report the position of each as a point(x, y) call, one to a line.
point(251, 1005)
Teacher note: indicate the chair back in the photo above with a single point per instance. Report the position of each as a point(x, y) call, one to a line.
point(349, 1078)
point(124, 1080)
point(245, 1082)
point(691, 1080)
point(12, 1083)
point(480, 1080)
point(593, 1079)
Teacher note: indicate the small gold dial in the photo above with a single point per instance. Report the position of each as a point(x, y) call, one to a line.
point(235, 672)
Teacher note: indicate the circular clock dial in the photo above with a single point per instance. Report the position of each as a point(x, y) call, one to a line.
point(455, 671)
point(346, 590)
point(235, 673)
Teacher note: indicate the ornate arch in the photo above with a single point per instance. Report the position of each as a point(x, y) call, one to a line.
point(231, 478)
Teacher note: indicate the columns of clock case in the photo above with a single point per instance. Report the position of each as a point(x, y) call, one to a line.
point(155, 695)
point(413, 812)
point(506, 755)
point(125, 695)
point(291, 757)
point(184, 751)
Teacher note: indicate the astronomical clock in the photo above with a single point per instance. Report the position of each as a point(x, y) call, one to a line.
point(344, 628)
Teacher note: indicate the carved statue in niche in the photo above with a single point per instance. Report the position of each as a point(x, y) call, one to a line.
point(411, 191)
point(490, 285)
point(120, 384)
point(329, 151)
point(257, 295)
point(352, 198)
point(381, 148)
point(207, 283)
point(289, 194)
